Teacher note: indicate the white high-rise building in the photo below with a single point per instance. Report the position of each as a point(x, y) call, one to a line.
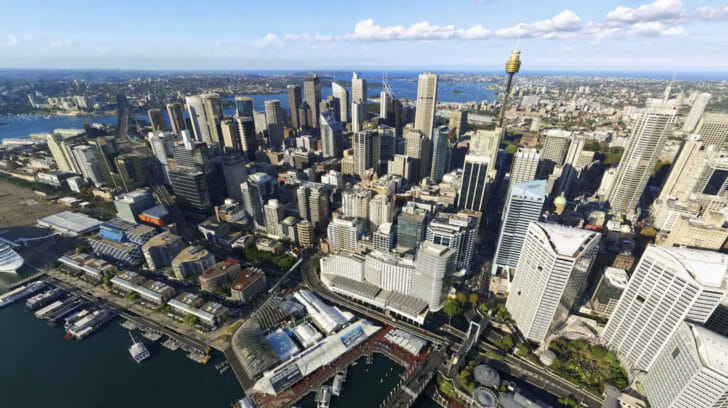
point(426, 103)
point(524, 205)
point(486, 143)
point(197, 118)
point(525, 164)
point(418, 146)
point(645, 145)
point(687, 169)
point(273, 211)
point(389, 271)
point(342, 233)
point(358, 89)
point(691, 371)
point(696, 112)
point(367, 147)
point(274, 122)
point(434, 265)
point(355, 202)
point(381, 210)
point(713, 129)
point(668, 285)
point(550, 275)
point(358, 115)
point(385, 236)
point(340, 93)
point(331, 135)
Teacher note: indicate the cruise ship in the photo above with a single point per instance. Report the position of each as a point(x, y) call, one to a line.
point(138, 350)
point(21, 292)
point(10, 261)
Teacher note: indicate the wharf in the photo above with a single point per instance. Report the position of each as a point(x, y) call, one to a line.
point(23, 281)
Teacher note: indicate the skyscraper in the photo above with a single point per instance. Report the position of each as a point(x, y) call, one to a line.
point(713, 129)
point(246, 131)
point(294, 101)
point(524, 205)
point(342, 233)
point(274, 122)
point(331, 136)
point(426, 103)
point(358, 115)
point(244, 106)
point(691, 371)
point(691, 161)
point(441, 151)
point(551, 273)
point(355, 202)
point(213, 115)
point(205, 115)
point(457, 231)
point(358, 89)
point(273, 211)
point(177, 122)
point(434, 266)
point(339, 92)
point(417, 146)
point(312, 91)
point(643, 149)
point(668, 285)
point(571, 170)
point(156, 119)
point(230, 133)
point(474, 188)
point(554, 151)
point(366, 146)
point(458, 122)
point(701, 101)
point(381, 211)
point(411, 225)
point(256, 191)
point(235, 174)
point(525, 164)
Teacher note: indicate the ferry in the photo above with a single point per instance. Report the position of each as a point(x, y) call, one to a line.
point(88, 324)
point(67, 308)
point(138, 350)
point(10, 261)
point(43, 299)
point(44, 311)
point(74, 317)
point(21, 292)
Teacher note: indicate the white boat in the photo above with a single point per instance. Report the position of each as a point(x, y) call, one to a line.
point(138, 350)
point(21, 292)
point(10, 261)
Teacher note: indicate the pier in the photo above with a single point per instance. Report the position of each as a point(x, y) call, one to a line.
point(28, 279)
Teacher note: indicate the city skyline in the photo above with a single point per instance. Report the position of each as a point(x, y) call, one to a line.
point(664, 34)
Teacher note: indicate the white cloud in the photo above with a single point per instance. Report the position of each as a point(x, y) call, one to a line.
point(654, 29)
point(13, 40)
point(369, 31)
point(566, 23)
point(659, 10)
point(709, 13)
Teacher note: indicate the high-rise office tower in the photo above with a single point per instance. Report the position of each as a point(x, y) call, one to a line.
point(274, 122)
point(59, 148)
point(426, 103)
point(306, 234)
point(358, 115)
point(485, 143)
point(474, 188)
point(339, 92)
point(304, 116)
point(403, 166)
point(525, 164)
point(235, 174)
point(417, 146)
point(177, 122)
point(366, 146)
point(643, 149)
point(213, 115)
point(691, 371)
point(714, 178)
point(384, 236)
point(273, 211)
point(574, 163)
point(205, 113)
point(550, 275)
point(524, 205)
point(434, 265)
point(332, 106)
point(610, 288)
point(668, 285)
point(387, 146)
point(457, 231)
point(411, 226)
point(230, 133)
point(458, 122)
point(358, 89)
point(196, 183)
point(331, 136)
point(554, 151)
point(256, 191)
point(713, 129)
point(342, 233)
point(87, 163)
point(295, 98)
point(197, 118)
point(381, 210)
point(312, 93)
point(691, 161)
point(355, 202)
point(696, 112)
point(244, 106)
point(246, 131)
point(156, 119)
point(162, 144)
point(313, 203)
point(441, 152)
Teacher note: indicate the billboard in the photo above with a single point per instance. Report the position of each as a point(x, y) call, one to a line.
point(352, 337)
point(285, 377)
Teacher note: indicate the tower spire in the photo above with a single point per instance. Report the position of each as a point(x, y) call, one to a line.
point(668, 90)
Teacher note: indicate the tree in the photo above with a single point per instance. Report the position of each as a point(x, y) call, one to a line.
point(452, 307)
point(522, 350)
point(191, 320)
point(505, 343)
point(568, 403)
point(473, 299)
point(133, 296)
point(503, 315)
point(483, 307)
point(460, 296)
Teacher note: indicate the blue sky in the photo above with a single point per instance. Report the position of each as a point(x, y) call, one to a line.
point(393, 34)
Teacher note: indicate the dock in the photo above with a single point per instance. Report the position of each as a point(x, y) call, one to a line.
point(170, 344)
point(151, 335)
point(25, 280)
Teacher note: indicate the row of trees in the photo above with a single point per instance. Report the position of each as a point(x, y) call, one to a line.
point(282, 261)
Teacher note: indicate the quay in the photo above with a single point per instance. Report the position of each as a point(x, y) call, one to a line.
point(25, 280)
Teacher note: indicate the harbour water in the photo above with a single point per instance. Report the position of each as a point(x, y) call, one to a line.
point(41, 368)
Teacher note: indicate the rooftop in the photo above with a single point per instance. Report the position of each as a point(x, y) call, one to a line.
point(712, 348)
point(566, 241)
point(191, 253)
point(706, 267)
point(221, 268)
point(617, 277)
point(75, 222)
point(162, 239)
point(246, 277)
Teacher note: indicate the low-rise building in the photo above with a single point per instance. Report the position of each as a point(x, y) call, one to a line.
point(161, 249)
point(70, 224)
point(215, 277)
point(91, 268)
point(248, 284)
point(192, 261)
point(153, 293)
point(209, 315)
